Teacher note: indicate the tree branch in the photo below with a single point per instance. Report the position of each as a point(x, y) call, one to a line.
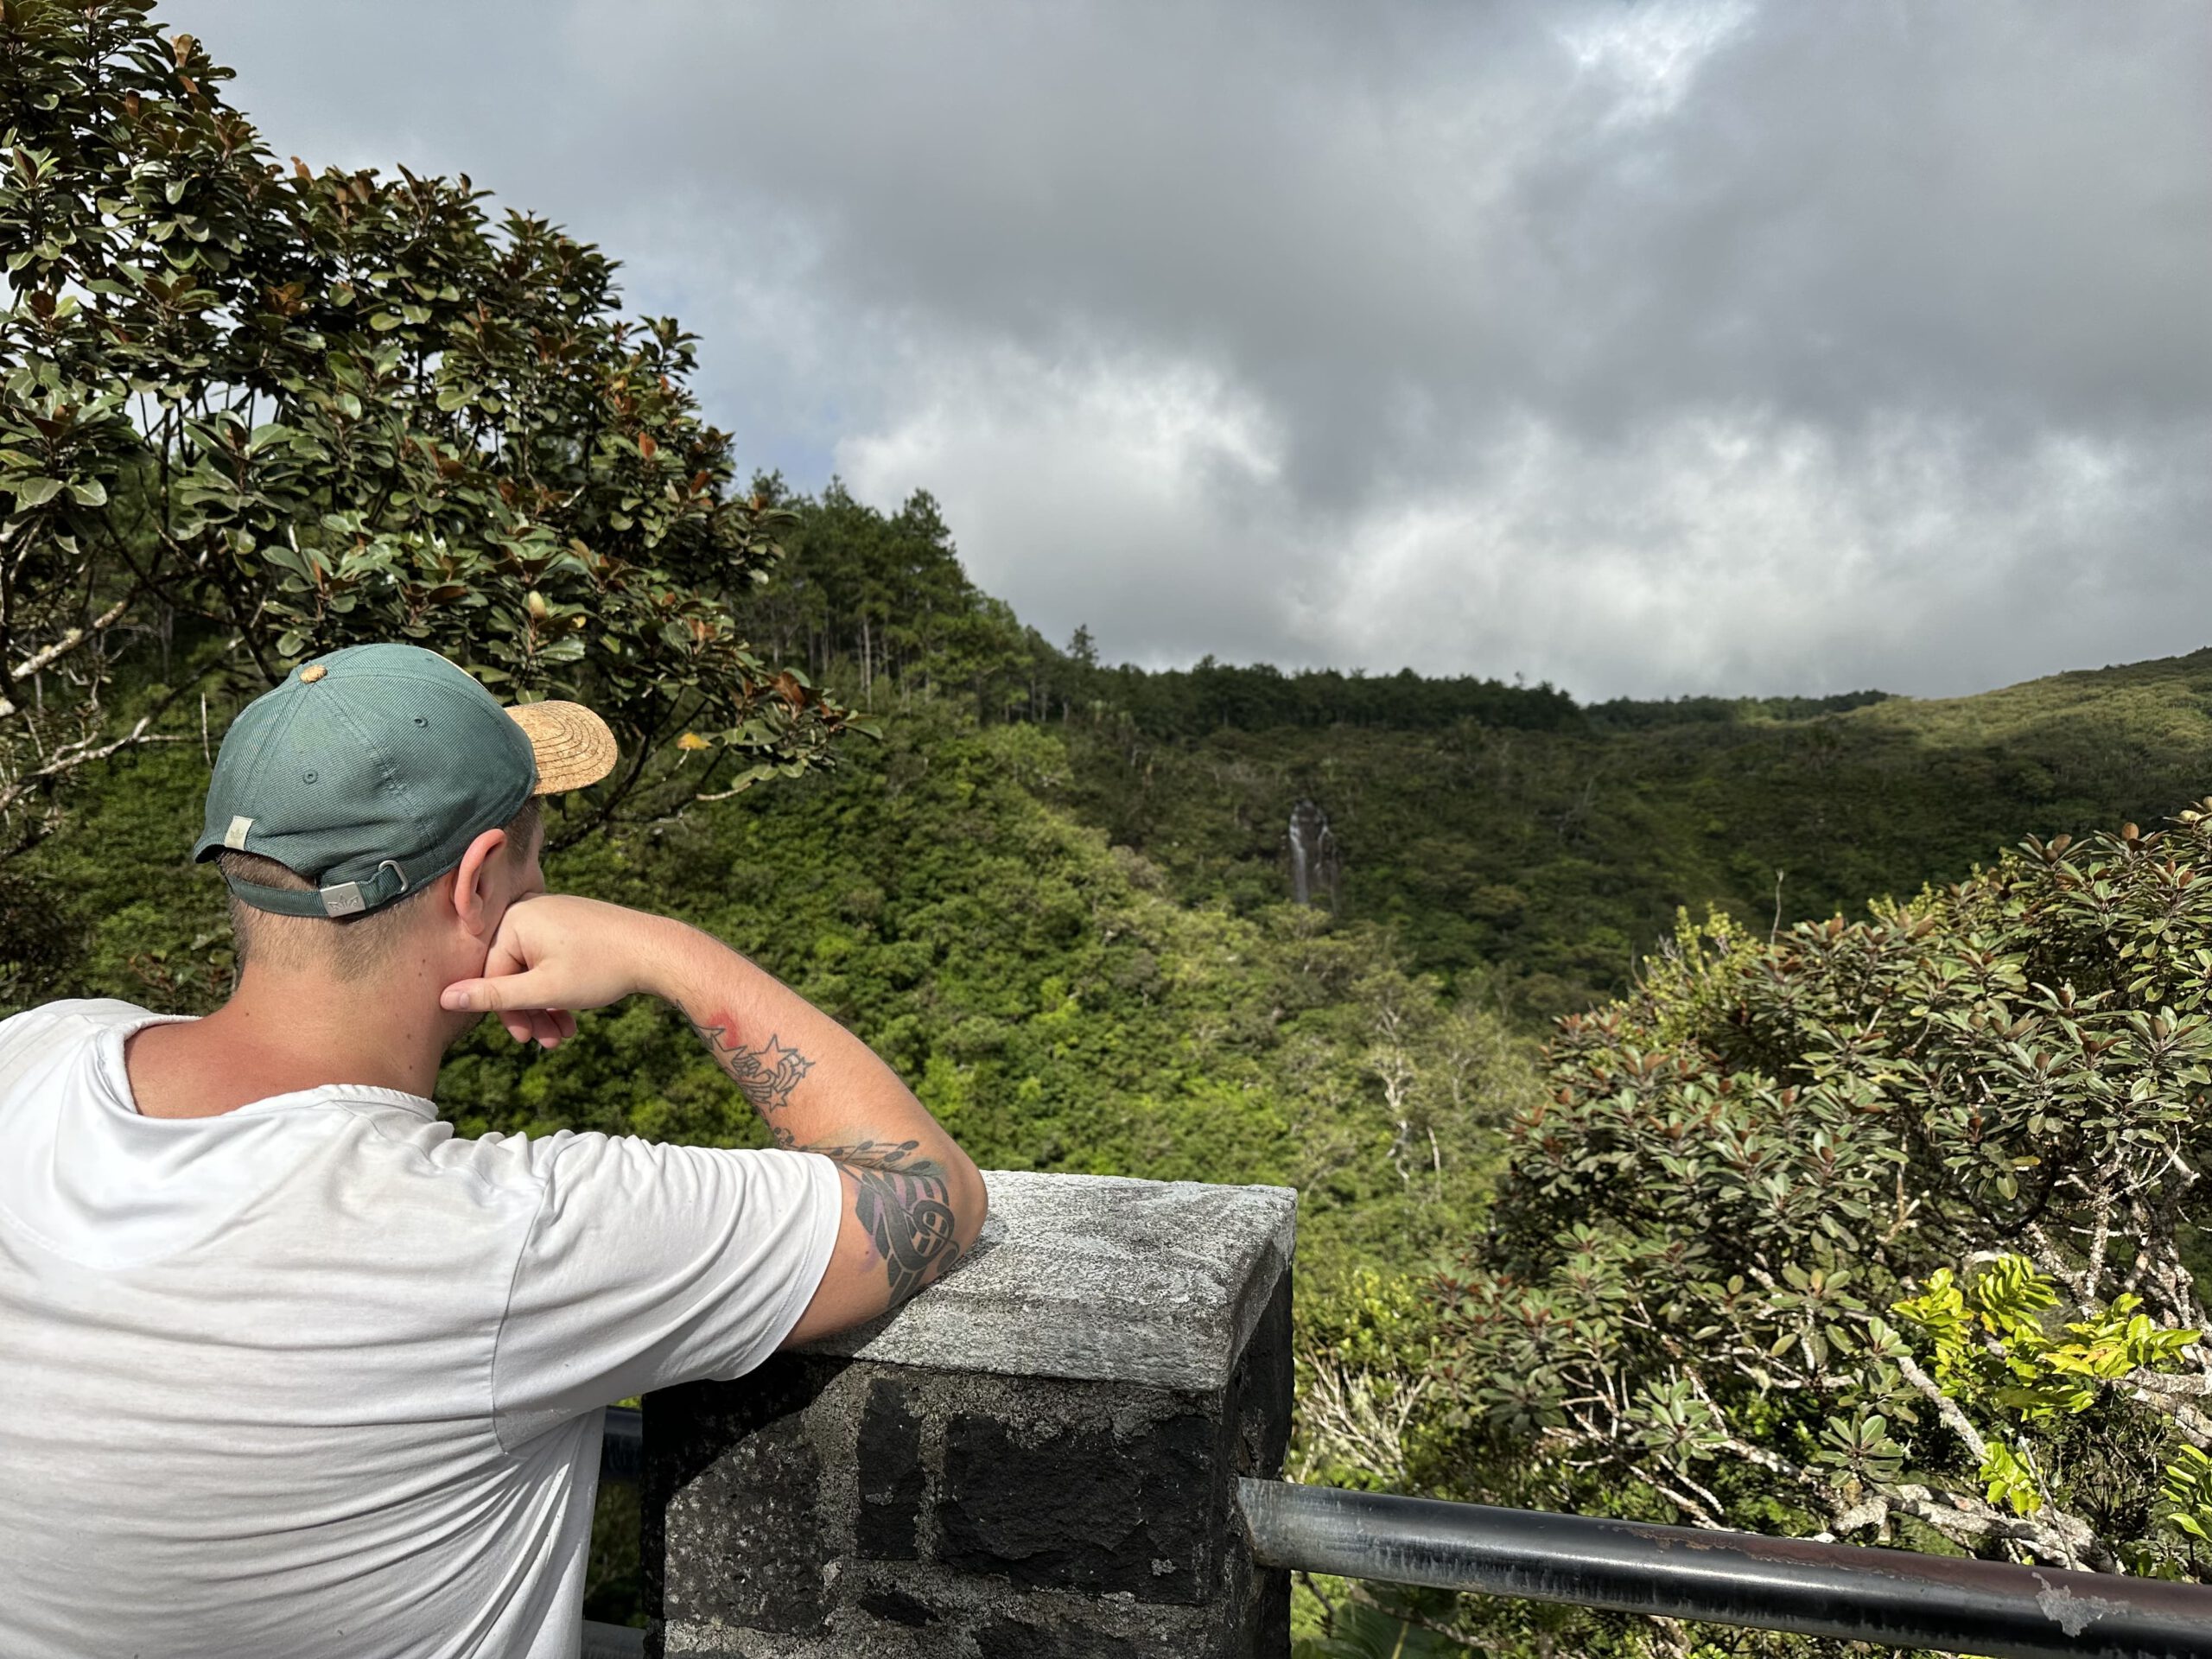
point(71, 640)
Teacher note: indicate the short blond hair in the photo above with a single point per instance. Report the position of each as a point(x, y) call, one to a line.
point(348, 947)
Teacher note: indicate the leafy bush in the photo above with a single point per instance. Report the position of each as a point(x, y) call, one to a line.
point(249, 413)
point(1881, 1230)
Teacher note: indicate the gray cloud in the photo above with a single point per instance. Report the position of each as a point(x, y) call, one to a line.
point(1645, 348)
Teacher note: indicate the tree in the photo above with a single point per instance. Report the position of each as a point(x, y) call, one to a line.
point(1878, 1230)
point(255, 413)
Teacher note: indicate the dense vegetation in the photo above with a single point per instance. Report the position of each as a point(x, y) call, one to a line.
point(1561, 856)
point(251, 412)
point(1883, 1229)
point(1540, 850)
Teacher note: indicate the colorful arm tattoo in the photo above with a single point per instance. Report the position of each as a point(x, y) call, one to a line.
point(765, 1076)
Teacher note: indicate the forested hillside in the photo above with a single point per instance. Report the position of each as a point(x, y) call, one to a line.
point(1562, 854)
point(1502, 832)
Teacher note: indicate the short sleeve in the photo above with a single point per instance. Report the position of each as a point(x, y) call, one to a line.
point(649, 1265)
point(32, 1039)
point(28, 1033)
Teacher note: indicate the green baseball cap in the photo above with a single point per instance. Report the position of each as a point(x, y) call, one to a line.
point(368, 771)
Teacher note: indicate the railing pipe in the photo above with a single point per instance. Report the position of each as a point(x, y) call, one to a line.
point(622, 1445)
point(613, 1642)
point(1842, 1591)
point(621, 1458)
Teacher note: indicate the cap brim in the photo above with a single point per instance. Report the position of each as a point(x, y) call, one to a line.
point(574, 746)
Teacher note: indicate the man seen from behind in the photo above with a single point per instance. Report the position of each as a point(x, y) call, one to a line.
point(288, 1367)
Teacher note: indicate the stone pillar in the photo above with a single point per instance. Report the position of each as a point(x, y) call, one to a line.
point(1036, 1459)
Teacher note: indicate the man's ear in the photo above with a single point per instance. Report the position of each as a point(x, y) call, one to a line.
point(471, 900)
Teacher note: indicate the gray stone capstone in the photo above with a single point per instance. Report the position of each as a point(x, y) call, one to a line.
point(1098, 1278)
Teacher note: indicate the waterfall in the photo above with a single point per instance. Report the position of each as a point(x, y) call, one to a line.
point(1314, 861)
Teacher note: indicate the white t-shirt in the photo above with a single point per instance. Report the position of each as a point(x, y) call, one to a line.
point(316, 1377)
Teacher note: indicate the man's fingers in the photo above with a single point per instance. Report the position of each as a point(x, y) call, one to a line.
point(525, 1003)
point(529, 990)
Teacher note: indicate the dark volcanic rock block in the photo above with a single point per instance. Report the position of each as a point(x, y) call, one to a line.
point(1008, 1638)
point(889, 1456)
point(1085, 1509)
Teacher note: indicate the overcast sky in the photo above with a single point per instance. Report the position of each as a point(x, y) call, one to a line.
point(1646, 349)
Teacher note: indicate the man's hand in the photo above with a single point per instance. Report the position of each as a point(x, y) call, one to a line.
point(553, 954)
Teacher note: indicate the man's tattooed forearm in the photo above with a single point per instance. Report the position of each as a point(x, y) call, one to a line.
point(902, 1204)
point(766, 1074)
point(902, 1201)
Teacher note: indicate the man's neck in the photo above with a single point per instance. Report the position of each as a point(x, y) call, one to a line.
point(280, 1034)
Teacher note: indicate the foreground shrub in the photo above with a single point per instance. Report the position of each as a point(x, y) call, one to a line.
point(1884, 1230)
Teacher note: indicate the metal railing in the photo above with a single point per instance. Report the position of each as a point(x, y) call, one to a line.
point(1845, 1590)
point(621, 1458)
point(613, 1641)
point(622, 1449)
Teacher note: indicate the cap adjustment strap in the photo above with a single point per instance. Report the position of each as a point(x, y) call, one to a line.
point(381, 886)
